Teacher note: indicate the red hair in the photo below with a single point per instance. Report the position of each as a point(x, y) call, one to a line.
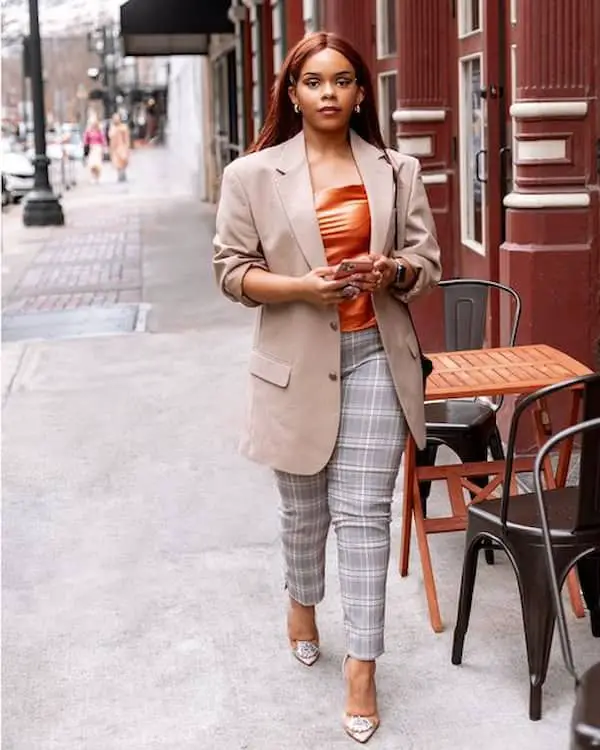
point(282, 123)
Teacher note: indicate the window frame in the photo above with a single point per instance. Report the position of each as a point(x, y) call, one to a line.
point(386, 45)
point(279, 42)
point(463, 11)
point(466, 197)
point(386, 118)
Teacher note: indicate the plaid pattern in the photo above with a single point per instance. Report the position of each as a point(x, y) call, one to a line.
point(354, 493)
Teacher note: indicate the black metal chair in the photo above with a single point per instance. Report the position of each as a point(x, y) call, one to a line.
point(513, 523)
point(467, 426)
point(585, 721)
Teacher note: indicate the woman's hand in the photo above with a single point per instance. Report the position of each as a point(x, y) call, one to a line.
point(387, 268)
point(319, 288)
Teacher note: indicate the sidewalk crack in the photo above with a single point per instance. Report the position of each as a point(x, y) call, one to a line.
point(8, 392)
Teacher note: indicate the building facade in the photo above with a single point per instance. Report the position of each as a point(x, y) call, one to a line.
point(498, 99)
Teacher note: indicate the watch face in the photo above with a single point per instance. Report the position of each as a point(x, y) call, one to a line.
point(400, 273)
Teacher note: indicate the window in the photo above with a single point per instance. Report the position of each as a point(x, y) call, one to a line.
point(386, 28)
point(470, 16)
point(257, 72)
point(387, 106)
point(310, 14)
point(278, 34)
point(472, 151)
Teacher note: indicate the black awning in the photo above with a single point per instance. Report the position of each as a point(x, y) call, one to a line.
point(172, 27)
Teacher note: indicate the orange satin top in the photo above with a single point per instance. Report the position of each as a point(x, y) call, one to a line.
point(345, 223)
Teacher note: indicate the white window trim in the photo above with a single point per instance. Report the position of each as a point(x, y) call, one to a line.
point(256, 43)
point(478, 247)
point(278, 22)
point(381, 21)
point(310, 15)
point(383, 122)
point(462, 34)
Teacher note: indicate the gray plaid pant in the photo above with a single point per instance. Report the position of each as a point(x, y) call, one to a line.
point(354, 493)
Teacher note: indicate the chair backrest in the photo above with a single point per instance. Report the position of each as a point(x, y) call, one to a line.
point(466, 308)
point(588, 513)
point(588, 429)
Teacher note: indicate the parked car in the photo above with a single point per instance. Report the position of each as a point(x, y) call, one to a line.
point(18, 172)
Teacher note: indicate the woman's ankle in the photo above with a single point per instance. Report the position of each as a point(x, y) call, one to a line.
point(361, 693)
point(306, 608)
point(301, 622)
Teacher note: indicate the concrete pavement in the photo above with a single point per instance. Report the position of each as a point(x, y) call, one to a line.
point(142, 589)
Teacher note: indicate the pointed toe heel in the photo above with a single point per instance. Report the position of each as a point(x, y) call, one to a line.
point(307, 652)
point(360, 728)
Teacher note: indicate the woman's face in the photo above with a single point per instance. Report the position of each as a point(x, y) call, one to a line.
point(326, 91)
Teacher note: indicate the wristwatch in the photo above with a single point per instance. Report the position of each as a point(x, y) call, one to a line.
point(400, 278)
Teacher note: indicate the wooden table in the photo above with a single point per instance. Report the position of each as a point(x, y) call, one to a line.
point(468, 374)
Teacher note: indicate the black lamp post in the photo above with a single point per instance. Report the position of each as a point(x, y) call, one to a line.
point(42, 208)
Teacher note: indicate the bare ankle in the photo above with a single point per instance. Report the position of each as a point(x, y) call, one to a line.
point(308, 608)
point(358, 668)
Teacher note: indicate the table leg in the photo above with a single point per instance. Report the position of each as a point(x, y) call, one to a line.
point(430, 590)
point(543, 430)
point(410, 457)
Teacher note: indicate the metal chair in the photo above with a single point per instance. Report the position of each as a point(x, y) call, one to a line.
point(513, 523)
point(585, 720)
point(467, 426)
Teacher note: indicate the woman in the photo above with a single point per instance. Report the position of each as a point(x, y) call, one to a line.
point(119, 141)
point(94, 143)
point(336, 371)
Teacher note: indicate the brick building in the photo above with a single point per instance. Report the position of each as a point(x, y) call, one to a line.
point(499, 99)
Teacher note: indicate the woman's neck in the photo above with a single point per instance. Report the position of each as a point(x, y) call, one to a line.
point(326, 144)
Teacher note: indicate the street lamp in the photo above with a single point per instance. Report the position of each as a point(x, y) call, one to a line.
point(42, 208)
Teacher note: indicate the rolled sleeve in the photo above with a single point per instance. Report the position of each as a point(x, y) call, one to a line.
point(420, 247)
point(236, 244)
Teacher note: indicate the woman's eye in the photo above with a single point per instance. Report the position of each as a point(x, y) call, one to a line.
point(312, 83)
point(343, 82)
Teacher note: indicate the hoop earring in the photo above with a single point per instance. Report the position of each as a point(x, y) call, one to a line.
point(357, 109)
point(297, 109)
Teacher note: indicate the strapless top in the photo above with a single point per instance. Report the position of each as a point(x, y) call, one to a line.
point(345, 224)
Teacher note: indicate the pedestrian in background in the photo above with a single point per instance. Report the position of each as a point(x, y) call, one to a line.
point(94, 143)
point(120, 144)
point(332, 236)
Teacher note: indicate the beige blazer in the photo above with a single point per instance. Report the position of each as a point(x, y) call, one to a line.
point(266, 218)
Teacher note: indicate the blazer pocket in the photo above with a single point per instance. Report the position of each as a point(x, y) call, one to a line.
point(271, 370)
point(413, 344)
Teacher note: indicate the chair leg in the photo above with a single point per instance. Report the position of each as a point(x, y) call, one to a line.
point(426, 457)
point(465, 600)
point(589, 576)
point(538, 621)
point(495, 445)
point(474, 450)
point(497, 451)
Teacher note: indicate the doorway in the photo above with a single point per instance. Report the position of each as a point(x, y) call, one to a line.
point(482, 133)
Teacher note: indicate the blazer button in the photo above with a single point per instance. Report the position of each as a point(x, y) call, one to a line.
point(333, 376)
point(333, 325)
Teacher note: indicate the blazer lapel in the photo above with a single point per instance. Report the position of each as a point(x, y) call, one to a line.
point(378, 179)
point(292, 182)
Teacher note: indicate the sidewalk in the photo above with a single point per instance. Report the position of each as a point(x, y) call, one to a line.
point(143, 599)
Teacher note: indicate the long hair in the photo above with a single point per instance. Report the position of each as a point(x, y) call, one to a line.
point(282, 122)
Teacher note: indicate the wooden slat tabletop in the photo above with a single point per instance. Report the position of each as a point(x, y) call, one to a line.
point(494, 372)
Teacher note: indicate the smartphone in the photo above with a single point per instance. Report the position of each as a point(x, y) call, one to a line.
point(350, 267)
